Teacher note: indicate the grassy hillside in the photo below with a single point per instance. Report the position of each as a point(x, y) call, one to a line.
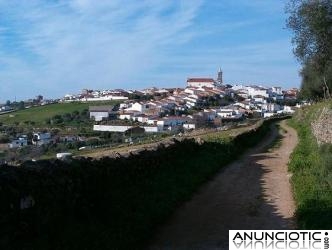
point(311, 165)
point(41, 113)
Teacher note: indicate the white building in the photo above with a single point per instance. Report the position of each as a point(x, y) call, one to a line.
point(123, 105)
point(190, 102)
point(276, 90)
point(122, 129)
point(209, 114)
point(63, 156)
point(152, 129)
point(243, 93)
point(152, 120)
point(201, 82)
point(99, 113)
point(237, 87)
point(193, 91)
point(137, 106)
point(269, 114)
point(257, 91)
point(288, 109)
point(18, 143)
point(259, 99)
point(189, 126)
point(103, 98)
point(141, 118)
point(41, 138)
point(223, 113)
point(5, 108)
point(245, 105)
point(271, 107)
point(172, 121)
point(129, 115)
point(111, 128)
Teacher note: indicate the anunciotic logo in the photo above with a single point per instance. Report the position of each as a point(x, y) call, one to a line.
point(280, 239)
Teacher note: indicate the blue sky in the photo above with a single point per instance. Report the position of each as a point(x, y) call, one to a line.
point(54, 47)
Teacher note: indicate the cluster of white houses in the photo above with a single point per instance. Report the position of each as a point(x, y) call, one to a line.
point(97, 95)
point(164, 113)
point(149, 114)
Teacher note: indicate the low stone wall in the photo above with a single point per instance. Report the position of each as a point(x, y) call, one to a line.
point(322, 127)
point(77, 201)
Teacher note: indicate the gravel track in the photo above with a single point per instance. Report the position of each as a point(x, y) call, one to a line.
point(253, 192)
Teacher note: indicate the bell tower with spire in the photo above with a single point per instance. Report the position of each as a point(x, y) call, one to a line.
point(219, 78)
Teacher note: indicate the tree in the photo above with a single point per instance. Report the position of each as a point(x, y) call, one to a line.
point(21, 105)
point(311, 22)
point(312, 87)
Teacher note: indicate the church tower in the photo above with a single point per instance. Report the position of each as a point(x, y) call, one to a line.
point(219, 78)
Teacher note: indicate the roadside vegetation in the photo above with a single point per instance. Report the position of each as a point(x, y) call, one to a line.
point(111, 203)
point(311, 166)
point(311, 163)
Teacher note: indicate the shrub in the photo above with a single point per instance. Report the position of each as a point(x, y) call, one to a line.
point(311, 165)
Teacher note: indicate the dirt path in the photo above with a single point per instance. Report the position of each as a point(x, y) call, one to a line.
point(252, 193)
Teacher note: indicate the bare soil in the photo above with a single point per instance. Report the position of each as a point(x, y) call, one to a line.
point(253, 192)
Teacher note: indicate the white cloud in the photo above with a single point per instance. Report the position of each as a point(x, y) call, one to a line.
point(84, 43)
point(54, 47)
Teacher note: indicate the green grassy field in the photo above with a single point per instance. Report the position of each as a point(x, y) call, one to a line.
point(40, 114)
point(311, 166)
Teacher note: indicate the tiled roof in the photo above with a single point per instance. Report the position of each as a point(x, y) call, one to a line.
point(200, 80)
point(100, 108)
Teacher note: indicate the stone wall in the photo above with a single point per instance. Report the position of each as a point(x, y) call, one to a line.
point(322, 127)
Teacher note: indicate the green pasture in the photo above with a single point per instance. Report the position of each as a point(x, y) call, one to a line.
point(40, 114)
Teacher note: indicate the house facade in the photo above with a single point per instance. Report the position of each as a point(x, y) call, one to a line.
point(18, 143)
point(99, 113)
point(201, 82)
point(257, 91)
point(41, 138)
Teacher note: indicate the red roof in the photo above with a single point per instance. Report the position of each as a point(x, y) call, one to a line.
point(200, 80)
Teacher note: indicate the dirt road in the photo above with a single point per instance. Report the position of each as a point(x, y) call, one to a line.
point(252, 193)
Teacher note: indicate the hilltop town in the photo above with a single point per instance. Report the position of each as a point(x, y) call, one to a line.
point(202, 102)
point(118, 129)
point(137, 115)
